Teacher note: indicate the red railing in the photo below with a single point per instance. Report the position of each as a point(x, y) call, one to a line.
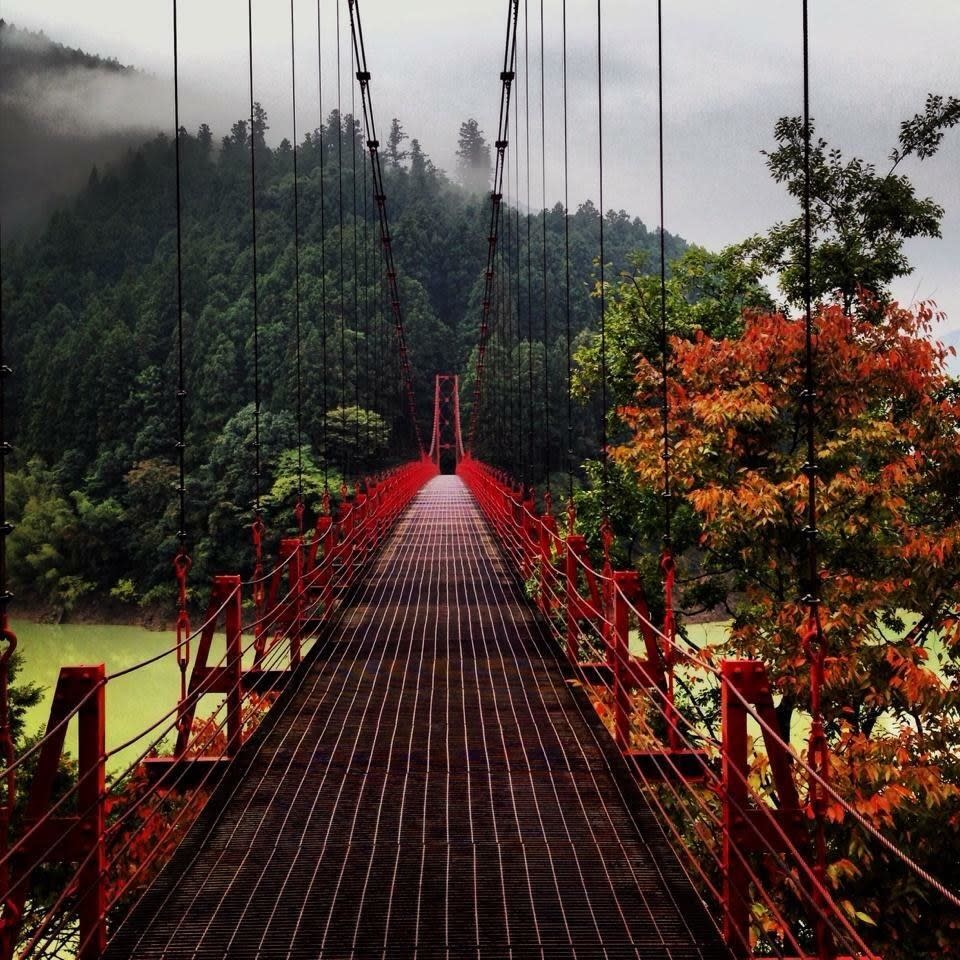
point(744, 842)
point(83, 826)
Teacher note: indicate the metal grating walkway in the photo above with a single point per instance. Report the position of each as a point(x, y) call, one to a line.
point(434, 788)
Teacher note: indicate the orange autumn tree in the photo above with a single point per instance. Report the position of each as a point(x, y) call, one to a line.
point(888, 435)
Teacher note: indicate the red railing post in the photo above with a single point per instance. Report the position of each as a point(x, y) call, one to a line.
point(346, 522)
point(735, 674)
point(548, 530)
point(223, 584)
point(292, 548)
point(624, 584)
point(91, 770)
point(576, 545)
point(80, 838)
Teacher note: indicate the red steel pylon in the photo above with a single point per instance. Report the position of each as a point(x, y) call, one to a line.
point(446, 418)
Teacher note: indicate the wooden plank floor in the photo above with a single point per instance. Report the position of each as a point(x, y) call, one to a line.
point(433, 788)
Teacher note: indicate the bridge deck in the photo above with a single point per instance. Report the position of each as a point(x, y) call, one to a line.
point(433, 788)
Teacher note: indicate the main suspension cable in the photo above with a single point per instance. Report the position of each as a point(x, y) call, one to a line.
point(507, 76)
point(373, 146)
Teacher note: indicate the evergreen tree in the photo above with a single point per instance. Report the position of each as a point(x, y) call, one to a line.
point(473, 158)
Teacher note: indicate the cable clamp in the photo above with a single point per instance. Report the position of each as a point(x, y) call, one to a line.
point(363, 76)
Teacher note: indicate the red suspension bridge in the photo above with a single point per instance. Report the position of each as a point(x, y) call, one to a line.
point(439, 729)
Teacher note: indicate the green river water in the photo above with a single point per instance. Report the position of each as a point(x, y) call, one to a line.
point(133, 702)
point(139, 699)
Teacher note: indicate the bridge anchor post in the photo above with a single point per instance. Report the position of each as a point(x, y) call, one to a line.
point(67, 838)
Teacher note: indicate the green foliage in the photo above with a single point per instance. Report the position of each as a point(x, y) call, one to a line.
point(706, 292)
point(860, 218)
point(283, 494)
point(92, 312)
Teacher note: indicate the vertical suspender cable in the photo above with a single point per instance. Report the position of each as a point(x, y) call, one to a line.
point(526, 131)
point(325, 439)
point(366, 307)
point(256, 527)
point(256, 297)
point(296, 273)
point(543, 214)
point(9, 638)
point(507, 76)
point(603, 295)
point(181, 562)
point(664, 342)
point(507, 293)
point(524, 477)
point(181, 384)
point(813, 640)
point(343, 330)
point(667, 564)
point(355, 276)
point(566, 261)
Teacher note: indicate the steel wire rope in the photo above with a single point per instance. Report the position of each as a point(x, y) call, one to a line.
point(524, 465)
point(257, 470)
point(524, 687)
point(664, 341)
point(181, 393)
point(384, 583)
point(529, 246)
point(373, 145)
point(761, 837)
point(356, 262)
point(604, 452)
point(296, 271)
point(115, 781)
point(367, 424)
point(507, 78)
point(324, 425)
point(566, 262)
point(543, 214)
point(196, 693)
point(912, 865)
point(346, 456)
point(68, 889)
point(216, 730)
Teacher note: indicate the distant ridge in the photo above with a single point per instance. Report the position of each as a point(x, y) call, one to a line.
point(63, 112)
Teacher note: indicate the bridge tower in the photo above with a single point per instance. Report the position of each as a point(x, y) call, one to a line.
point(446, 422)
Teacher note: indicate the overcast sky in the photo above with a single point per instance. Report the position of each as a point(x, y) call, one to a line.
point(731, 68)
